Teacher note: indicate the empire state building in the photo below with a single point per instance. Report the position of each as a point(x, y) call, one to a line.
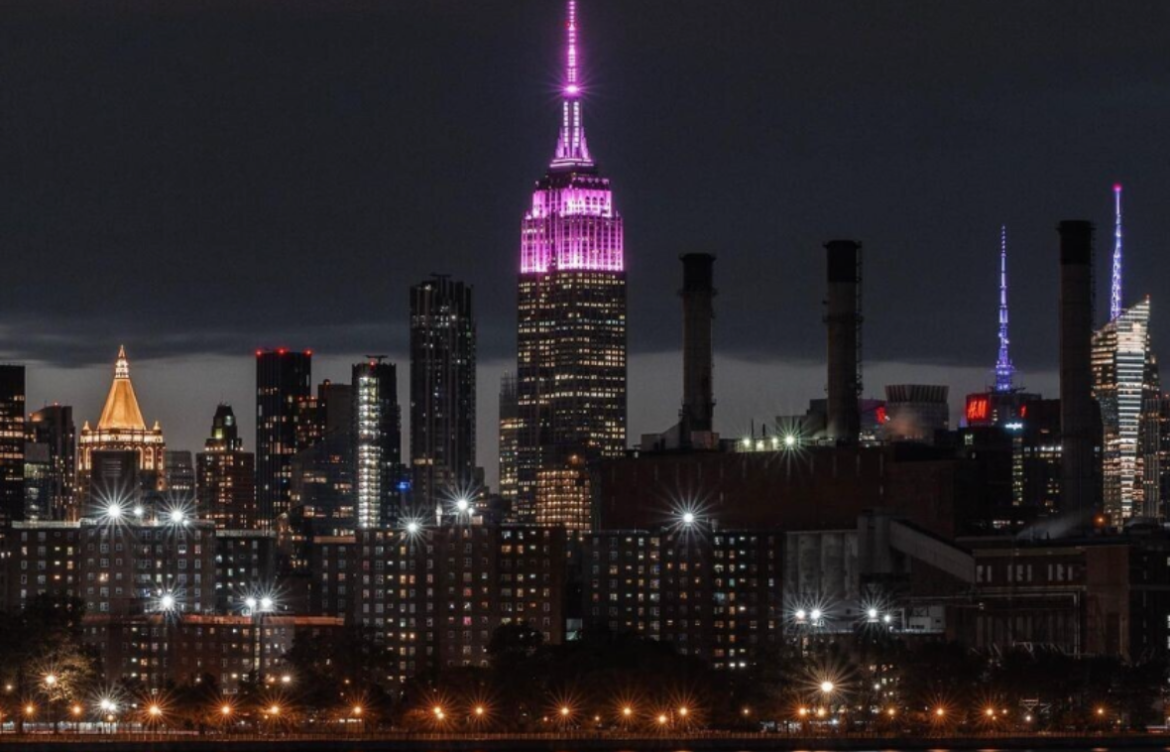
point(571, 358)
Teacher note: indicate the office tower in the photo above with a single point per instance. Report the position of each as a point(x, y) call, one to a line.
point(180, 477)
point(1079, 418)
point(11, 443)
point(121, 428)
point(1164, 453)
point(52, 431)
point(226, 476)
point(843, 321)
point(282, 383)
point(1122, 365)
point(377, 442)
point(509, 439)
point(1150, 430)
point(571, 337)
point(321, 494)
point(442, 391)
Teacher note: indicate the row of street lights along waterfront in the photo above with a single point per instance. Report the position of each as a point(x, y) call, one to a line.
point(821, 715)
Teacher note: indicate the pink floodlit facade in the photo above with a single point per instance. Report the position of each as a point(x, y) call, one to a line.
point(572, 224)
point(571, 324)
point(571, 227)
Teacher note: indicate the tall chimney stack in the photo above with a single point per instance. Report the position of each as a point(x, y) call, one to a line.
point(1077, 424)
point(698, 295)
point(843, 318)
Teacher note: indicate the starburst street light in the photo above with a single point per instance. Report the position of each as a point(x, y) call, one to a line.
point(688, 518)
point(827, 687)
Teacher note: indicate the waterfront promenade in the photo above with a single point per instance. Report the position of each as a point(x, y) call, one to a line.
point(179, 741)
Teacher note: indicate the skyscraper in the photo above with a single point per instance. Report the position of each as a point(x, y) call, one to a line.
point(571, 336)
point(52, 427)
point(321, 494)
point(180, 476)
point(226, 475)
point(11, 443)
point(121, 429)
point(282, 383)
point(509, 437)
point(442, 390)
point(377, 442)
point(1122, 368)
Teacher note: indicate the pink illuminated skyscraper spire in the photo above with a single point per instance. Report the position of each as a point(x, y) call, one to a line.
point(1115, 286)
point(571, 146)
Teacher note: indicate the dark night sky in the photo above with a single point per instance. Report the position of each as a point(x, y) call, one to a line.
point(198, 179)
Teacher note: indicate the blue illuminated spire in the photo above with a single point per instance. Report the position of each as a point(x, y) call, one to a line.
point(1004, 370)
point(1115, 288)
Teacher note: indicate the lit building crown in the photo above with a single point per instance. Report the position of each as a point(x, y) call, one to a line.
point(121, 411)
point(572, 225)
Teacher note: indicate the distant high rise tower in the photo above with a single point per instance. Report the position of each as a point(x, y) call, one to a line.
point(1115, 287)
point(571, 364)
point(282, 383)
point(120, 429)
point(1004, 370)
point(180, 476)
point(1122, 365)
point(377, 442)
point(321, 490)
point(442, 390)
point(509, 438)
point(11, 443)
point(226, 476)
point(52, 427)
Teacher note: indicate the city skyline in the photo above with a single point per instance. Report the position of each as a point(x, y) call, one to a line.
point(891, 467)
point(768, 244)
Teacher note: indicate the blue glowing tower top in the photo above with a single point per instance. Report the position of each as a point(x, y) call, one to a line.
point(1115, 288)
point(1004, 370)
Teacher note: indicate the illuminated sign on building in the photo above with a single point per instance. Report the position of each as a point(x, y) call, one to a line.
point(978, 409)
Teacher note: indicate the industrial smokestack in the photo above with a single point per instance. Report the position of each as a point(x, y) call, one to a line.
point(698, 294)
point(1077, 408)
point(843, 317)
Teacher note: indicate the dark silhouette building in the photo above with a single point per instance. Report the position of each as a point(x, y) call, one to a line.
point(11, 442)
point(442, 390)
point(282, 384)
point(52, 430)
point(323, 470)
point(226, 476)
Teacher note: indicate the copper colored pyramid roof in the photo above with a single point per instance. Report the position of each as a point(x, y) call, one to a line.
point(121, 412)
